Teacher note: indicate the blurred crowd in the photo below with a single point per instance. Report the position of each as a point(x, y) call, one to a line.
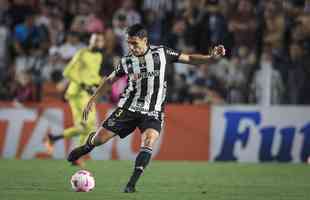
point(268, 44)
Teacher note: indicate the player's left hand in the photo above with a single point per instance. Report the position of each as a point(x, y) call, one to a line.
point(218, 51)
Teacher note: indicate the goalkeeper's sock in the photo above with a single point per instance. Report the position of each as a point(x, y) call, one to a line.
point(54, 138)
point(142, 161)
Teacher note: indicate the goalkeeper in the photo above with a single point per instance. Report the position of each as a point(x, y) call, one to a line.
point(82, 72)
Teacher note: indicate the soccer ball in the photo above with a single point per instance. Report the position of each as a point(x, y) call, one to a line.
point(82, 181)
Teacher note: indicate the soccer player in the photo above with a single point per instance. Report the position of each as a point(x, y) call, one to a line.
point(82, 72)
point(142, 103)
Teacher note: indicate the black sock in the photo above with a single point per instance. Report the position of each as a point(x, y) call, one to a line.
point(142, 161)
point(55, 138)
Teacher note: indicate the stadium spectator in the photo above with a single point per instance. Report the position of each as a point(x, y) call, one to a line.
point(56, 30)
point(4, 49)
point(24, 89)
point(243, 25)
point(4, 14)
point(296, 73)
point(18, 11)
point(119, 29)
point(236, 77)
point(71, 46)
point(212, 29)
point(176, 37)
point(161, 7)
point(44, 16)
point(154, 26)
point(94, 24)
point(27, 36)
point(267, 87)
point(129, 12)
point(108, 8)
point(193, 15)
point(216, 76)
point(113, 51)
point(55, 64)
point(307, 6)
point(274, 24)
point(214, 91)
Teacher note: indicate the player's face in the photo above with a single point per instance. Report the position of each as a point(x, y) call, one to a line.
point(96, 41)
point(137, 46)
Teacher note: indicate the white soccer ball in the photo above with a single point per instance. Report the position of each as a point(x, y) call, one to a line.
point(82, 181)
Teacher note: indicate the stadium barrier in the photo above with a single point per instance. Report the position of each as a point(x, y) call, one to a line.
point(260, 134)
point(237, 133)
point(23, 127)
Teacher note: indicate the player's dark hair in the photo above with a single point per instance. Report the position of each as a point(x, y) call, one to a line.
point(137, 30)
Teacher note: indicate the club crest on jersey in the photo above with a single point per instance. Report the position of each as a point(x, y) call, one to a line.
point(156, 59)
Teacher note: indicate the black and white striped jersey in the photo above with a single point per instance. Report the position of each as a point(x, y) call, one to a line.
point(146, 89)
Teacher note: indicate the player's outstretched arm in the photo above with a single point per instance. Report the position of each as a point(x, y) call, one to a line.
point(196, 59)
point(102, 88)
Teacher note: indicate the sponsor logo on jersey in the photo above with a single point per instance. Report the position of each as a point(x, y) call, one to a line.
point(172, 53)
point(144, 75)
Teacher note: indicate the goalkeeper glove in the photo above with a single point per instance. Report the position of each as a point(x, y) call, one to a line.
point(90, 89)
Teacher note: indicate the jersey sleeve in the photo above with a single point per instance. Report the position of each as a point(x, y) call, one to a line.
point(172, 55)
point(119, 70)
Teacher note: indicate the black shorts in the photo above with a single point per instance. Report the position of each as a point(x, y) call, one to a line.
point(123, 122)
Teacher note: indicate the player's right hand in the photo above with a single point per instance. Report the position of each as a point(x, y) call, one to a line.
point(218, 51)
point(88, 108)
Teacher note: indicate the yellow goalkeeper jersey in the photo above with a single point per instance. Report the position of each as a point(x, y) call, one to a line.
point(83, 68)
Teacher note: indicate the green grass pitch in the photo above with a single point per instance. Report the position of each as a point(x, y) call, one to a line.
point(50, 180)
